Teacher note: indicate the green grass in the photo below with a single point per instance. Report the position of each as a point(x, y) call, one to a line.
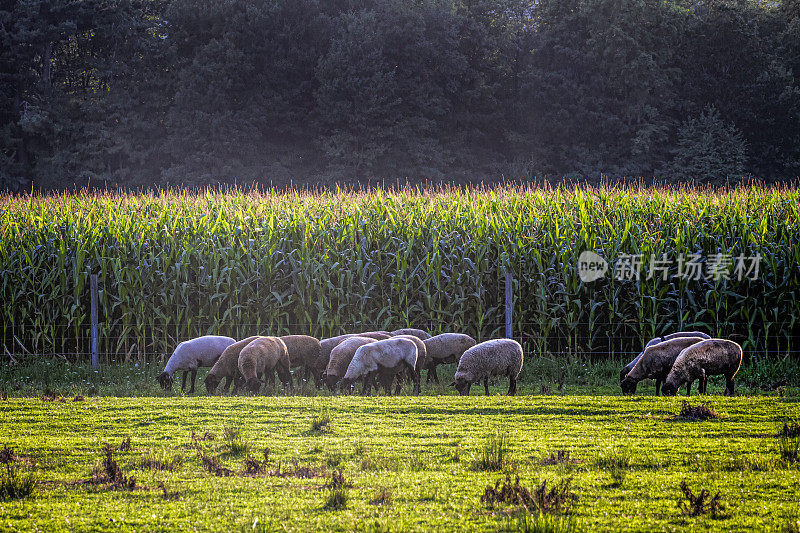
point(414, 483)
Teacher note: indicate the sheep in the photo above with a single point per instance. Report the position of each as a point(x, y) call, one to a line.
point(706, 358)
point(227, 366)
point(262, 356)
point(340, 359)
point(656, 362)
point(422, 356)
point(191, 354)
point(445, 348)
point(418, 333)
point(377, 335)
point(304, 351)
point(656, 340)
point(498, 357)
point(387, 357)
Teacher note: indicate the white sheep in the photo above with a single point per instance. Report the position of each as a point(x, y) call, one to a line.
point(192, 354)
point(418, 333)
point(657, 340)
point(497, 357)
point(388, 357)
point(656, 362)
point(445, 348)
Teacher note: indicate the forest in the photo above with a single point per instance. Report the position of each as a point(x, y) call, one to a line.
point(155, 93)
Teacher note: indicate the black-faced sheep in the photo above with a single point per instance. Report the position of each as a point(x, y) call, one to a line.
point(445, 348)
point(656, 362)
point(387, 357)
point(418, 333)
point(264, 355)
point(192, 354)
point(629, 366)
point(227, 366)
point(304, 352)
point(340, 359)
point(497, 357)
point(706, 358)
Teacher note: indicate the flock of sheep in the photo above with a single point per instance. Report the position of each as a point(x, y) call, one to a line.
point(374, 357)
point(382, 358)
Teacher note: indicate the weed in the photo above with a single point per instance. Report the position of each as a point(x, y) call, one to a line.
point(560, 457)
point(700, 504)
point(14, 485)
point(78, 398)
point(694, 413)
point(321, 423)
point(3, 395)
point(495, 454)
point(333, 460)
point(789, 442)
point(620, 458)
point(555, 500)
point(234, 441)
point(298, 471)
point(161, 462)
point(111, 472)
point(791, 521)
point(545, 390)
point(527, 522)
point(168, 495)
point(197, 439)
point(338, 492)
point(125, 445)
point(213, 465)
point(382, 497)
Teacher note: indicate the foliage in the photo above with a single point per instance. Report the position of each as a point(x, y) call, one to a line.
point(699, 504)
point(195, 92)
point(176, 265)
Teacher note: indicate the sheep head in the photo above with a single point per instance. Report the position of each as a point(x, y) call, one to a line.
point(165, 380)
point(628, 385)
point(462, 386)
point(253, 384)
point(212, 382)
point(670, 388)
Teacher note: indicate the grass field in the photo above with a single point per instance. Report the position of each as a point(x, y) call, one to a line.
point(409, 464)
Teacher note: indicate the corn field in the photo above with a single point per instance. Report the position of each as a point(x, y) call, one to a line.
point(177, 264)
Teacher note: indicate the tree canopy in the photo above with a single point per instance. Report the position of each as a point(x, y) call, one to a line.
point(193, 92)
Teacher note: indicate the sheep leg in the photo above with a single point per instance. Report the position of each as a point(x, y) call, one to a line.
point(415, 375)
point(658, 387)
point(194, 379)
point(729, 387)
point(226, 387)
point(705, 384)
point(183, 382)
point(486, 385)
point(688, 389)
point(512, 386)
point(432, 373)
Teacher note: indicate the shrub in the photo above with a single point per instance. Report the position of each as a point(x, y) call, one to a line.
point(495, 454)
point(558, 498)
point(14, 485)
point(527, 522)
point(234, 441)
point(692, 504)
point(699, 412)
point(321, 423)
point(160, 461)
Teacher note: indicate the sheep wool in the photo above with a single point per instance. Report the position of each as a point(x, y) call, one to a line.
point(227, 366)
point(305, 352)
point(445, 348)
point(498, 357)
point(422, 358)
point(340, 358)
point(418, 333)
point(656, 362)
point(264, 355)
point(706, 358)
point(192, 354)
point(390, 355)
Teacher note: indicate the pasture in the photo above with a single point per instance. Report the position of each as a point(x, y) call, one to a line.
point(408, 463)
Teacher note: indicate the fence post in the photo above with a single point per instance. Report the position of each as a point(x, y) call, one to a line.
point(93, 289)
point(509, 306)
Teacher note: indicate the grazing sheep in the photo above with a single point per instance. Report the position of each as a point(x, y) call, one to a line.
point(192, 354)
point(418, 333)
point(377, 335)
point(340, 359)
point(304, 352)
point(656, 362)
point(227, 366)
point(656, 340)
point(445, 348)
point(262, 356)
point(706, 358)
point(498, 357)
point(422, 357)
point(389, 357)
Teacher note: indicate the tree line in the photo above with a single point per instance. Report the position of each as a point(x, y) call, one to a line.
point(139, 93)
